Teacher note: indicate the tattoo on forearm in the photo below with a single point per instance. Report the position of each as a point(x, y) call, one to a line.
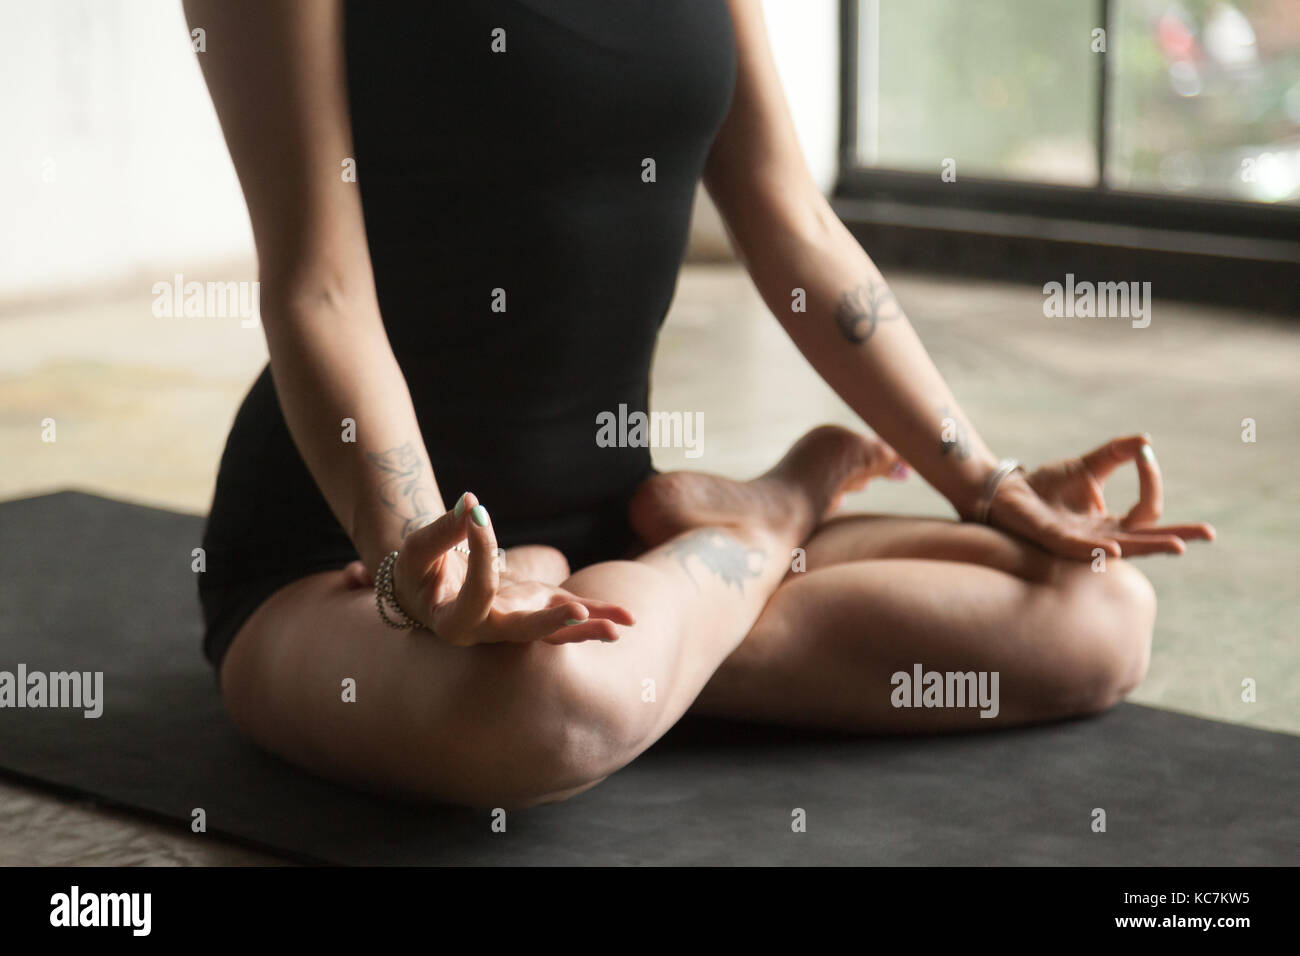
point(862, 309)
point(406, 492)
point(953, 439)
point(725, 557)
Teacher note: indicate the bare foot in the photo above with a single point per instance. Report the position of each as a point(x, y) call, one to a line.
point(789, 500)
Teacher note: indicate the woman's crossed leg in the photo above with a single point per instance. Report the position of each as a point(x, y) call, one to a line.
point(722, 624)
point(317, 678)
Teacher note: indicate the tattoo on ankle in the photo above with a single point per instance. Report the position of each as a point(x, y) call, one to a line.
point(862, 309)
point(406, 493)
point(953, 439)
point(724, 556)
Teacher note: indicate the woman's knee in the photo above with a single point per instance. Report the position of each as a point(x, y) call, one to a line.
point(497, 725)
point(549, 731)
point(1109, 621)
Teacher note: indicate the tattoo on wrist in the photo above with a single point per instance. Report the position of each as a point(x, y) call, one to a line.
point(862, 309)
point(722, 555)
point(406, 492)
point(953, 438)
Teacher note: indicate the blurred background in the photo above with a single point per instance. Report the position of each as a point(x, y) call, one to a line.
point(115, 168)
point(1203, 100)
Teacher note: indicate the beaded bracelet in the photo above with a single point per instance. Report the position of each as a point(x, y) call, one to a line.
point(384, 595)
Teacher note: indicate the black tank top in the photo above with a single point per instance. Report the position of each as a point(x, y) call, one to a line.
point(527, 170)
point(500, 145)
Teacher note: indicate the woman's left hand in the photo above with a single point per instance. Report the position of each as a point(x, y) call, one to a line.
point(1060, 506)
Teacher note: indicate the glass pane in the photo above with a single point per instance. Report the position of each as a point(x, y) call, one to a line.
point(1206, 98)
point(1007, 90)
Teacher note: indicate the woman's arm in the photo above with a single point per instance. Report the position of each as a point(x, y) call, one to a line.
point(276, 73)
point(857, 337)
point(853, 332)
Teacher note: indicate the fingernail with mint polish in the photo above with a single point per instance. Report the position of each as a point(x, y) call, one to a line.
point(460, 505)
point(1149, 453)
point(480, 515)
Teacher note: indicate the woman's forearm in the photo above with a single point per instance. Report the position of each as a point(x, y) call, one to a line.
point(277, 74)
point(855, 334)
point(350, 414)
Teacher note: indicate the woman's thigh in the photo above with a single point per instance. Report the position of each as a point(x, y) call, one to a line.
point(882, 595)
point(317, 678)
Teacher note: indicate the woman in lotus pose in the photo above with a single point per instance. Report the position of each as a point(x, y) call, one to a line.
point(459, 313)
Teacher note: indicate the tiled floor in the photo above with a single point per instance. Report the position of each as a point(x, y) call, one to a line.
point(142, 405)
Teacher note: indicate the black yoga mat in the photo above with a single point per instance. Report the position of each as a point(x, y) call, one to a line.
point(91, 584)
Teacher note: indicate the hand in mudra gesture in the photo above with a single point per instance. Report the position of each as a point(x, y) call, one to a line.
point(1061, 508)
point(467, 599)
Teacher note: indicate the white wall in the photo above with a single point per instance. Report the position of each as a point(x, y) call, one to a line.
point(805, 36)
point(112, 164)
point(111, 160)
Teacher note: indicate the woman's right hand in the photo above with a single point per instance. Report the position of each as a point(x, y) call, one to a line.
point(465, 599)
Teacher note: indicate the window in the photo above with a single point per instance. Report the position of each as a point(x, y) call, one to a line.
point(1206, 99)
point(1002, 90)
point(1092, 107)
